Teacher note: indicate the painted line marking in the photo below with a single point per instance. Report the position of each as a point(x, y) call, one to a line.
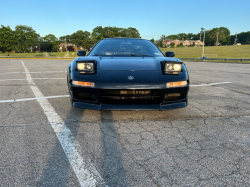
point(36, 72)
point(33, 98)
point(10, 73)
point(85, 171)
point(47, 97)
point(7, 101)
point(30, 79)
point(209, 84)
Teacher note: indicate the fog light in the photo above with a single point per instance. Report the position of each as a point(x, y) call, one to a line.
point(174, 94)
point(84, 84)
point(176, 84)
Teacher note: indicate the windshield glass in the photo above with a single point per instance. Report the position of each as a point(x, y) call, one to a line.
point(125, 47)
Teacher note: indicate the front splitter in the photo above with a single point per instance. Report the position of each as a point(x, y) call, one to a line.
point(129, 107)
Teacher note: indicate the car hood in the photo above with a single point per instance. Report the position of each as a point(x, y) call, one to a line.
point(129, 64)
point(127, 72)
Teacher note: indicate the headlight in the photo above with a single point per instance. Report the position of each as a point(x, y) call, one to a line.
point(86, 67)
point(172, 68)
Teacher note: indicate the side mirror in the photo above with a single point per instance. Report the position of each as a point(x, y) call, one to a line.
point(170, 54)
point(81, 53)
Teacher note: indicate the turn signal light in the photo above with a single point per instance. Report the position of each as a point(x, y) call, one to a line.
point(176, 84)
point(84, 84)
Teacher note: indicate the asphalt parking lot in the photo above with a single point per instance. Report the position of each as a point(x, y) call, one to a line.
point(46, 142)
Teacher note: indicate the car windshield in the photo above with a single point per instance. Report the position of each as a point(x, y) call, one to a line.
point(125, 47)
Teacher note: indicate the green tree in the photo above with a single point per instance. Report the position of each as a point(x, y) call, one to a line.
point(109, 32)
point(8, 39)
point(55, 48)
point(159, 42)
point(28, 37)
point(123, 32)
point(182, 36)
point(173, 37)
point(62, 39)
point(81, 38)
point(223, 34)
point(190, 36)
point(50, 38)
point(46, 46)
point(243, 38)
point(196, 36)
point(117, 31)
point(172, 44)
point(97, 33)
point(100, 33)
point(133, 33)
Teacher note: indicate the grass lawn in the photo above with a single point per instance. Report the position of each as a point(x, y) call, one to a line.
point(241, 51)
point(40, 55)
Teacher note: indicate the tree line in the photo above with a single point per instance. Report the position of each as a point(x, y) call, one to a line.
point(23, 38)
point(213, 37)
point(243, 38)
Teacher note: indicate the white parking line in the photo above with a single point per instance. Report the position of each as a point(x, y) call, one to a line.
point(209, 84)
point(10, 73)
point(31, 79)
point(83, 168)
point(36, 72)
point(7, 101)
point(33, 98)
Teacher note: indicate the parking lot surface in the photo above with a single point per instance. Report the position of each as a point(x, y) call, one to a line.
point(46, 142)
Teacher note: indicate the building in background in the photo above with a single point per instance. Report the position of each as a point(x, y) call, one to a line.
point(167, 42)
point(69, 47)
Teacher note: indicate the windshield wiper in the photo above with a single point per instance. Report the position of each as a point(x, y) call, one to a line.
point(97, 55)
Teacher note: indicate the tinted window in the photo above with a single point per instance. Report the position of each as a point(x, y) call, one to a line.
point(125, 47)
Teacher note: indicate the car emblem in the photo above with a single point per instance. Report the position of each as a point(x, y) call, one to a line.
point(130, 78)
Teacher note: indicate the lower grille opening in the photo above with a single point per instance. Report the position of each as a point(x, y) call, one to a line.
point(130, 97)
point(131, 100)
point(85, 96)
point(175, 96)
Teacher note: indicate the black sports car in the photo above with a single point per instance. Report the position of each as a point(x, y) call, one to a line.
point(127, 74)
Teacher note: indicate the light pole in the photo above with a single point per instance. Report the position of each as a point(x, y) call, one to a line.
point(204, 30)
point(65, 45)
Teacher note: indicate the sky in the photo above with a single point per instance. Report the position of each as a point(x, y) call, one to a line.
point(152, 18)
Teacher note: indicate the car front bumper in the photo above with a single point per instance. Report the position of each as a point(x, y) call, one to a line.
point(156, 100)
